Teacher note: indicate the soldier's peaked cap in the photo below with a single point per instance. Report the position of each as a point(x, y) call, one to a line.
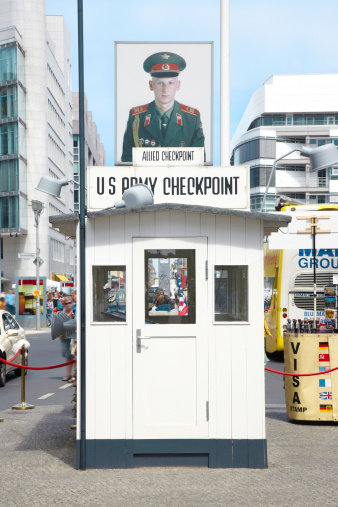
point(164, 64)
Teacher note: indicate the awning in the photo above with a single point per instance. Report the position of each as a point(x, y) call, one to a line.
point(52, 284)
point(61, 278)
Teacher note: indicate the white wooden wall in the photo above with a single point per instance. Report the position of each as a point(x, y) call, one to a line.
point(236, 351)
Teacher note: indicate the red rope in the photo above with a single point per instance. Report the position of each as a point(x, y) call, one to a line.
point(36, 367)
point(300, 374)
point(16, 355)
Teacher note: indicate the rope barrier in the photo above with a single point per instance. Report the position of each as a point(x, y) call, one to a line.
point(16, 355)
point(36, 367)
point(301, 374)
point(295, 374)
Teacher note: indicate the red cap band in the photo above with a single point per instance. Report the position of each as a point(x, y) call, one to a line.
point(164, 67)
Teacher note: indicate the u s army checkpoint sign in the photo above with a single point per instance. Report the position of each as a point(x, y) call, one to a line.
point(224, 187)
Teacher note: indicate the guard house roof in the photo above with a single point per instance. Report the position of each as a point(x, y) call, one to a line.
point(271, 221)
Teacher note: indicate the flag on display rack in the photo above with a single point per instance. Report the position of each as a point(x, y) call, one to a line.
point(182, 305)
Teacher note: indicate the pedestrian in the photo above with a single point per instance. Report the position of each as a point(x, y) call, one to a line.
point(65, 342)
point(10, 302)
point(57, 305)
point(164, 121)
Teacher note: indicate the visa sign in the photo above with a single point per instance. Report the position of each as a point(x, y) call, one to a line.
point(325, 258)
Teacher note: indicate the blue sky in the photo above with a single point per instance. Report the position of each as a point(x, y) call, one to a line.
point(266, 37)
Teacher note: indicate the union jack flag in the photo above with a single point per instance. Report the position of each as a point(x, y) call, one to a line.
point(325, 395)
point(182, 305)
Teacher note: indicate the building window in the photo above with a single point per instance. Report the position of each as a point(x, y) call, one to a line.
point(8, 63)
point(231, 293)
point(9, 175)
point(9, 139)
point(8, 102)
point(57, 250)
point(109, 293)
point(259, 177)
point(9, 212)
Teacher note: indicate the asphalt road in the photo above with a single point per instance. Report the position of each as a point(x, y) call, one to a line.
point(43, 387)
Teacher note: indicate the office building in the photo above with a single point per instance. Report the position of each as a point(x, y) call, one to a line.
point(94, 150)
point(288, 112)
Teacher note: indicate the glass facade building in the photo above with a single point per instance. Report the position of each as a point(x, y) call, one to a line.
point(13, 181)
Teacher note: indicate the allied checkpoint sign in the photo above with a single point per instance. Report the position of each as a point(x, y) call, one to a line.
point(224, 187)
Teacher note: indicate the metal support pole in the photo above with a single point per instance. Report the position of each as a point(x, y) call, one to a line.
point(271, 174)
point(23, 405)
point(313, 232)
point(37, 220)
point(225, 83)
point(82, 244)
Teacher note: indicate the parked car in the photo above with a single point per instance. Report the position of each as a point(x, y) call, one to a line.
point(10, 334)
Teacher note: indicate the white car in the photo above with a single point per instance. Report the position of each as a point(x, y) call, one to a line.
point(12, 336)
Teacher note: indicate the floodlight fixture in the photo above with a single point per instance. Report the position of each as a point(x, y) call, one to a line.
point(320, 158)
point(52, 186)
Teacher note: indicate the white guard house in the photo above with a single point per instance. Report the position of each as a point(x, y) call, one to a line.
point(174, 336)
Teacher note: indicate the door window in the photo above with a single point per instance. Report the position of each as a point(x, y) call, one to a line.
point(170, 287)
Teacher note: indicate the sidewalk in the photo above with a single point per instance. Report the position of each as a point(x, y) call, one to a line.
point(38, 469)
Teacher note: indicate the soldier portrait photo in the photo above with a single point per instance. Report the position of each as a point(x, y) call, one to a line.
point(164, 121)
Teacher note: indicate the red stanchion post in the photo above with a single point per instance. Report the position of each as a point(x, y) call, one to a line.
point(23, 405)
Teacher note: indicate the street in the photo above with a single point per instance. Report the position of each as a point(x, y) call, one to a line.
point(39, 446)
point(43, 387)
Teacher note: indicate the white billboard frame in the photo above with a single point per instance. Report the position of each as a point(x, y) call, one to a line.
point(132, 71)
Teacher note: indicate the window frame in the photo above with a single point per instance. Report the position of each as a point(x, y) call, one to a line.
point(230, 322)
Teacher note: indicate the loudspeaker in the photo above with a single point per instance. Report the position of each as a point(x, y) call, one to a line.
point(56, 327)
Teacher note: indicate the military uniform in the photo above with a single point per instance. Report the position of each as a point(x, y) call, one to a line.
point(143, 130)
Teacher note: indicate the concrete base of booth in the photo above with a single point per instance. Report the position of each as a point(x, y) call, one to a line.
point(210, 453)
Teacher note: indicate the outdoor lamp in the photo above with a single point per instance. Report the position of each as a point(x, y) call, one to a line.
point(137, 195)
point(320, 158)
point(52, 186)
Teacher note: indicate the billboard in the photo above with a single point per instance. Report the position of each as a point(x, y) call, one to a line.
point(152, 79)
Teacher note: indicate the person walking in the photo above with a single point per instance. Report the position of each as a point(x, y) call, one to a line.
point(10, 302)
point(65, 342)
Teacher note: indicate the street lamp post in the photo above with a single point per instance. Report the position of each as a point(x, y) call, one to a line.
point(37, 207)
point(320, 158)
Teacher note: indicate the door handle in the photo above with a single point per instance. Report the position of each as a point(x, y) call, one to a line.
point(138, 340)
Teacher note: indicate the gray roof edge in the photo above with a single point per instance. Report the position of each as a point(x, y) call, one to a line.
point(277, 217)
point(256, 215)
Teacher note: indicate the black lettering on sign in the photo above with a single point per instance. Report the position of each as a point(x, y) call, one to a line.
point(111, 184)
point(100, 185)
point(296, 398)
point(295, 350)
point(295, 364)
point(295, 381)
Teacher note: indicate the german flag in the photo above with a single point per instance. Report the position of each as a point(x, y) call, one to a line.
point(325, 408)
point(323, 347)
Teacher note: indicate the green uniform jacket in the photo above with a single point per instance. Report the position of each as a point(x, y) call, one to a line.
point(143, 130)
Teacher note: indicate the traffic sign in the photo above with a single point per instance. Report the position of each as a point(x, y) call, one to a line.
point(26, 256)
point(40, 261)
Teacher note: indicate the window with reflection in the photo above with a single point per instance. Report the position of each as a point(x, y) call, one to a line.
point(170, 287)
point(231, 293)
point(109, 293)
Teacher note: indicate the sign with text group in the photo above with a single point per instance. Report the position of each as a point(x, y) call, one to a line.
point(220, 187)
